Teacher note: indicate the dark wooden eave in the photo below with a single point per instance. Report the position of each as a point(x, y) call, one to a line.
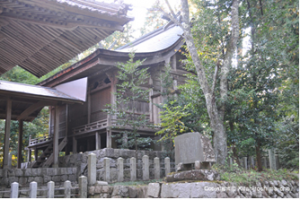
point(40, 35)
point(103, 60)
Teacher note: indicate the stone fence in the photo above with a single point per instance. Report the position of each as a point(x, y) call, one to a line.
point(39, 175)
point(269, 160)
point(50, 191)
point(110, 172)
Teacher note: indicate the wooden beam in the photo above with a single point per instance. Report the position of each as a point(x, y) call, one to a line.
point(20, 141)
point(64, 26)
point(7, 133)
point(55, 137)
point(32, 109)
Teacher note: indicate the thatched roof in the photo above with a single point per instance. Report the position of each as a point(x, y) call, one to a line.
point(41, 35)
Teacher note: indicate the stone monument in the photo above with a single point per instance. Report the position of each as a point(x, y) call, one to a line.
point(192, 147)
point(193, 157)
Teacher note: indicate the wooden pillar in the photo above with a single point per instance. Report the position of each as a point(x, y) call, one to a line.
point(7, 134)
point(108, 139)
point(173, 62)
point(68, 146)
point(55, 137)
point(74, 145)
point(20, 139)
point(108, 132)
point(98, 140)
point(36, 154)
point(29, 155)
point(89, 106)
point(150, 105)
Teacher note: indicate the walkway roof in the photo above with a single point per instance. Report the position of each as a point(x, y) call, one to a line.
point(28, 100)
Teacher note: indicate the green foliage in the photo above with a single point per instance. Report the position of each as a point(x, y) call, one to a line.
point(171, 123)
point(250, 177)
point(129, 94)
point(37, 128)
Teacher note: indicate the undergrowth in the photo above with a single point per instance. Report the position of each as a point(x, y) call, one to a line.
point(242, 176)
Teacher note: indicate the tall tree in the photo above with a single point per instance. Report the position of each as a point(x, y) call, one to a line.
point(131, 95)
point(224, 56)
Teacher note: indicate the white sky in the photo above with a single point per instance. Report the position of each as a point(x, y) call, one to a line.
point(139, 10)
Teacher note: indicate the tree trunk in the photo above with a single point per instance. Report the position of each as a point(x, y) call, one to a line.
point(216, 121)
point(258, 156)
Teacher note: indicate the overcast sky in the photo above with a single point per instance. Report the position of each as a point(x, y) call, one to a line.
point(139, 10)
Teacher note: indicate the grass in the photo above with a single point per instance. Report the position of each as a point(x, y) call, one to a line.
point(249, 177)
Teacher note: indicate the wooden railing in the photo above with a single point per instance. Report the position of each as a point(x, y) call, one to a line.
point(39, 140)
point(90, 127)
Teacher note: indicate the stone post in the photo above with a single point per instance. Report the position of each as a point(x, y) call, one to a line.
point(33, 189)
point(252, 163)
point(120, 168)
point(272, 159)
point(156, 168)
point(197, 164)
point(167, 166)
point(230, 162)
point(92, 169)
point(107, 169)
point(265, 164)
point(82, 187)
point(67, 191)
point(50, 189)
point(245, 163)
point(145, 167)
point(133, 169)
point(14, 190)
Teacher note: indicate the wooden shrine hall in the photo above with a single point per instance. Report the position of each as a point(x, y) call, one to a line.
point(39, 36)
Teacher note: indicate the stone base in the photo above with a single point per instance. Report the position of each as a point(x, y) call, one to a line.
point(200, 174)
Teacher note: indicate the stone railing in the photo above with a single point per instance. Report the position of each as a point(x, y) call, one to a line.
point(40, 175)
point(108, 174)
point(50, 191)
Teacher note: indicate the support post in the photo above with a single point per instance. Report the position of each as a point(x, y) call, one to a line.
point(20, 141)
point(36, 154)
point(14, 191)
point(67, 191)
point(133, 169)
point(7, 134)
point(98, 140)
point(107, 169)
point(108, 132)
point(33, 189)
point(50, 189)
point(28, 155)
point(55, 137)
point(145, 167)
point(120, 167)
point(156, 168)
point(197, 164)
point(92, 169)
point(82, 187)
point(74, 150)
point(167, 166)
